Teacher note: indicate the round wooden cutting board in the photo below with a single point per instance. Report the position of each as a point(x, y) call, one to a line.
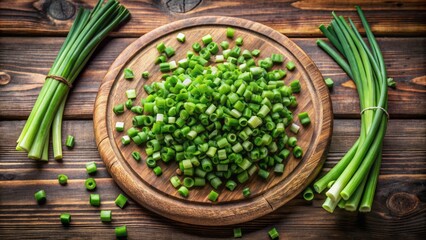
point(156, 193)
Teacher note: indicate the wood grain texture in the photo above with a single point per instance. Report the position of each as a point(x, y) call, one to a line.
point(293, 18)
point(156, 193)
point(25, 61)
point(402, 178)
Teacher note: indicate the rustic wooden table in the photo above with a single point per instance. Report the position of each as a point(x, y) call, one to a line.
point(32, 33)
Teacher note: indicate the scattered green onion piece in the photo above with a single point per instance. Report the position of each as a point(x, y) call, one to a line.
point(255, 52)
point(183, 191)
point(106, 215)
point(129, 104)
point(277, 58)
point(131, 93)
point(169, 52)
point(128, 74)
point(207, 39)
point(213, 196)
point(246, 192)
point(62, 179)
point(297, 152)
point(118, 109)
point(304, 118)
point(65, 218)
point(224, 45)
point(329, 82)
point(145, 74)
point(121, 231)
point(181, 37)
point(391, 83)
point(290, 66)
point(95, 200)
point(308, 194)
point(295, 86)
point(70, 141)
point(239, 41)
point(294, 128)
point(230, 32)
point(40, 196)
point(121, 200)
point(90, 184)
point(273, 233)
point(136, 156)
point(238, 233)
point(161, 47)
point(91, 167)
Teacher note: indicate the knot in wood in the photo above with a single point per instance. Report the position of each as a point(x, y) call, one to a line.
point(181, 6)
point(4, 78)
point(61, 9)
point(402, 203)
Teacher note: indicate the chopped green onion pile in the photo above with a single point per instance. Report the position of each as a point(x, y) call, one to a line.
point(88, 30)
point(222, 123)
point(353, 180)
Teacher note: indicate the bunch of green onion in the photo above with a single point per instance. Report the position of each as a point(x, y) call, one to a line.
point(88, 30)
point(352, 182)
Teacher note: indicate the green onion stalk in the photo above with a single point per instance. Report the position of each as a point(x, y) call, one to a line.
point(352, 181)
point(88, 30)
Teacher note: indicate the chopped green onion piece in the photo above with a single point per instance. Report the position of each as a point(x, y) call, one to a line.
point(129, 104)
point(175, 181)
point(70, 141)
point(391, 83)
point(118, 109)
point(90, 184)
point(213, 196)
point(125, 140)
point(128, 74)
point(119, 126)
point(295, 86)
point(290, 66)
point(329, 82)
point(145, 74)
point(121, 232)
point(157, 170)
point(277, 58)
point(161, 47)
point(238, 233)
point(255, 52)
point(246, 192)
point(207, 39)
point(106, 215)
point(308, 194)
point(65, 218)
point(40, 196)
point(131, 93)
point(304, 118)
point(183, 191)
point(121, 200)
point(273, 233)
point(169, 52)
point(224, 45)
point(91, 167)
point(297, 152)
point(294, 128)
point(95, 200)
point(239, 41)
point(230, 32)
point(136, 156)
point(62, 179)
point(181, 37)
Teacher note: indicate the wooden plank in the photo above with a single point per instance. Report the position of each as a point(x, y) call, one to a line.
point(294, 18)
point(403, 150)
point(399, 208)
point(25, 61)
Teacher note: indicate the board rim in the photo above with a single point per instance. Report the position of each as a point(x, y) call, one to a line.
point(209, 214)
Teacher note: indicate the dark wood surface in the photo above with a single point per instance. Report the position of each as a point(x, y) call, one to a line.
point(31, 35)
